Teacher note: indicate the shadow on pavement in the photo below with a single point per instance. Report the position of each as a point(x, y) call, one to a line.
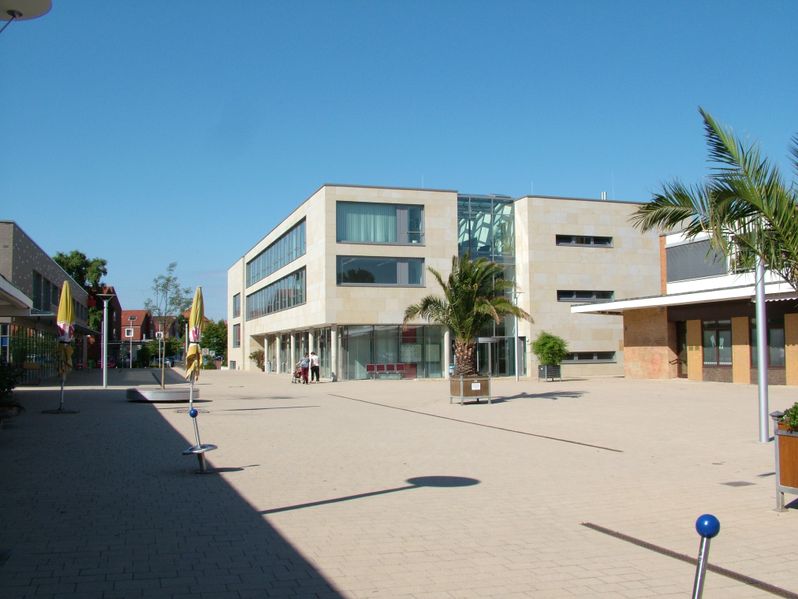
point(102, 503)
point(553, 395)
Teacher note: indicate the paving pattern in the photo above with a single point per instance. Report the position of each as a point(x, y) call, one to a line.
point(385, 489)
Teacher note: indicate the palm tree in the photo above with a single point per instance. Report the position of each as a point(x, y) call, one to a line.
point(474, 295)
point(744, 205)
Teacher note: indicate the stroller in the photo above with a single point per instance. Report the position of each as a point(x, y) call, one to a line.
point(296, 376)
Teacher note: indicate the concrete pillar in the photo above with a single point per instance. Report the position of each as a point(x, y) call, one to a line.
point(278, 353)
point(741, 350)
point(311, 340)
point(292, 358)
point(334, 351)
point(447, 352)
point(695, 351)
point(791, 348)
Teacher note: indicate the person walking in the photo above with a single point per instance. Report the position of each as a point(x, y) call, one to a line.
point(304, 365)
point(314, 366)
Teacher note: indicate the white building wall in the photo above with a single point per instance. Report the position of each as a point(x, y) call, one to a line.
point(630, 268)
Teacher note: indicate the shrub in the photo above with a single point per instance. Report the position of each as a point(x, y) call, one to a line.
point(549, 349)
point(10, 375)
point(259, 356)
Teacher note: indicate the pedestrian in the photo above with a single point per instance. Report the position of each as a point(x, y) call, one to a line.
point(314, 366)
point(304, 365)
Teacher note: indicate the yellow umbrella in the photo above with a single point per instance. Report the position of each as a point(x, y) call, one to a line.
point(65, 321)
point(195, 318)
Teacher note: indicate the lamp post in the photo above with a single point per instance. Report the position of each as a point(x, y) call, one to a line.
point(106, 297)
point(516, 293)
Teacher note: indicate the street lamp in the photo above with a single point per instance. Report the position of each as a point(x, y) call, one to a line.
point(516, 293)
point(106, 297)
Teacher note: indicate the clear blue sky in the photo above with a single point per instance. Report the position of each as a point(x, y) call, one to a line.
point(148, 132)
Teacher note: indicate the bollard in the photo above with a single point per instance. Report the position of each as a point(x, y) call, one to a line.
point(707, 526)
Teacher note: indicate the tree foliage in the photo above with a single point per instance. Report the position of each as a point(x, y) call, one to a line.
point(214, 337)
point(744, 205)
point(549, 349)
point(474, 295)
point(86, 272)
point(169, 299)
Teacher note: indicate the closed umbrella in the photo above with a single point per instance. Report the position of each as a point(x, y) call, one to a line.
point(193, 367)
point(65, 322)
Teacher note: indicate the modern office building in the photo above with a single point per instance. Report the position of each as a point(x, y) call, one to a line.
point(32, 283)
point(336, 275)
point(702, 325)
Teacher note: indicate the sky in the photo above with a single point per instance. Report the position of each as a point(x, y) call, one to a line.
point(152, 132)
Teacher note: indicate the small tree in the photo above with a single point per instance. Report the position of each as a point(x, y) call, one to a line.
point(169, 298)
point(259, 356)
point(214, 337)
point(549, 349)
point(88, 273)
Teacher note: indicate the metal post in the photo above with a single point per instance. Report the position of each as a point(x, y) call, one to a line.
point(517, 357)
point(708, 527)
point(761, 352)
point(105, 342)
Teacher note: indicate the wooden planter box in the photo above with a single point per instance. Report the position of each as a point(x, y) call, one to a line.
point(788, 456)
point(475, 387)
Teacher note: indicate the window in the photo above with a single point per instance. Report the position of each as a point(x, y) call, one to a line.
point(590, 356)
point(355, 270)
point(584, 240)
point(584, 295)
point(360, 222)
point(775, 339)
point(283, 294)
point(717, 343)
point(236, 305)
point(693, 261)
point(236, 335)
point(485, 227)
point(37, 291)
point(287, 248)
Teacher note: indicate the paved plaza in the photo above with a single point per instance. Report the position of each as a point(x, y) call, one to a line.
point(575, 488)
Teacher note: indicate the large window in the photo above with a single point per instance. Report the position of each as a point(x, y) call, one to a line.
point(581, 357)
point(775, 339)
point(361, 222)
point(283, 294)
point(693, 261)
point(584, 240)
point(236, 305)
point(584, 295)
point(485, 227)
point(358, 270)
point(287, 248)
point(236, 335)
point(717, 342)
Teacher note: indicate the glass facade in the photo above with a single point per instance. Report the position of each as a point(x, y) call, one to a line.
point(486, 229)
point(717, 342)
point(775, 339)
point(359, 270)
point(584, 295)
point(584, 240)
point(370, 351)
point(286, 249)
point(236, 335)
point(283, 294)
point(362, 222)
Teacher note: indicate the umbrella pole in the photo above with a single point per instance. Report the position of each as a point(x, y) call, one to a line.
point(194, 420)
point(61, 403)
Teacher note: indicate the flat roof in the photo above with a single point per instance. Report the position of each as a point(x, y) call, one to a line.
point(773, 291)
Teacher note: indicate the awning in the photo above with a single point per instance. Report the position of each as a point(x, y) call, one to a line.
point(12, 301)
point(773, 292)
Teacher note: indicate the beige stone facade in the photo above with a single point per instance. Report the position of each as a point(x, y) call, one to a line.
point(627, 265)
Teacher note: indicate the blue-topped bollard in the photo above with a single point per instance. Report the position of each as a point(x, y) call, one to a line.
point(708, 526)
point(193, 412)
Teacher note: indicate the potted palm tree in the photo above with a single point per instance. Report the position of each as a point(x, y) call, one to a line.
point(787, 438)
point(550, 351)
point(474, 295)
